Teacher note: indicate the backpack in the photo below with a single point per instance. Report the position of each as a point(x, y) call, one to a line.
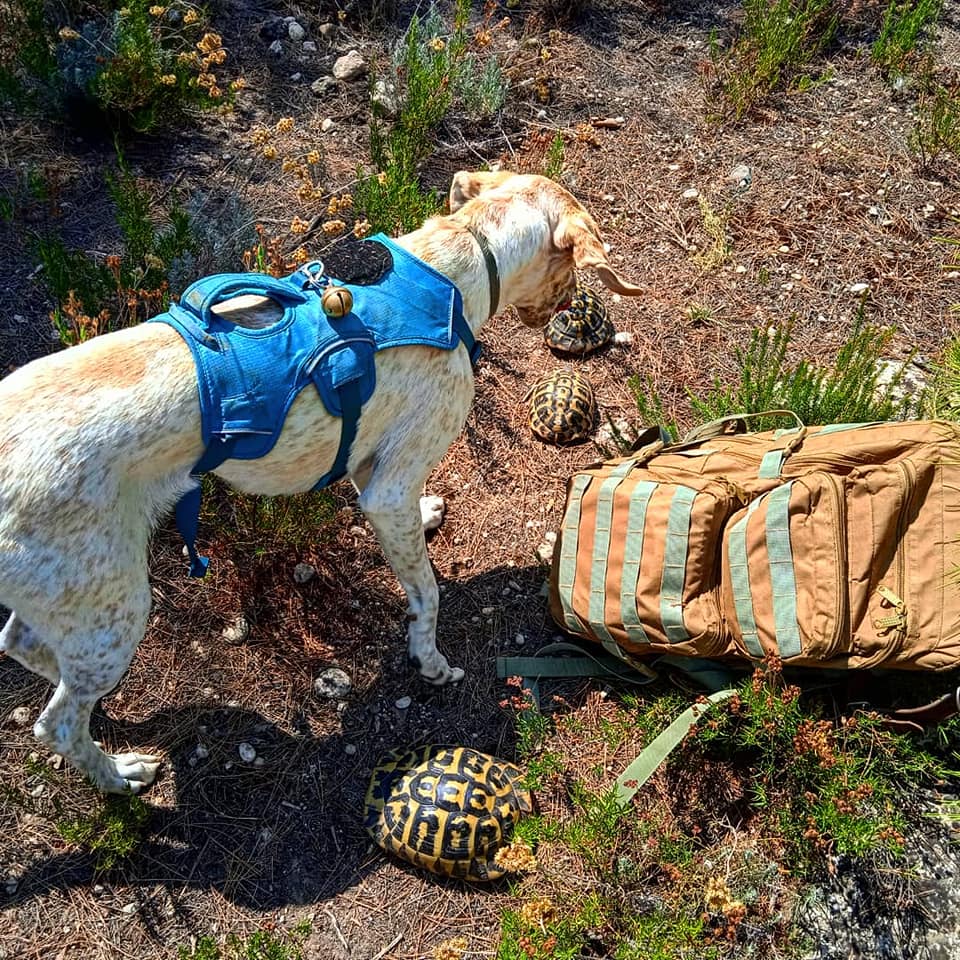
point(834, 546)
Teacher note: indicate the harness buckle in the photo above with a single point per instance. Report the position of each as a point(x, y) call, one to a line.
point(315, 276)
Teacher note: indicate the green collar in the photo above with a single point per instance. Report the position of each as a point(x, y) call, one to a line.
point(493, 274)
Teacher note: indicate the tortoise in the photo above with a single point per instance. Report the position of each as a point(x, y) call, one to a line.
point(447, 809)
point(581, 327)
point(563, 408)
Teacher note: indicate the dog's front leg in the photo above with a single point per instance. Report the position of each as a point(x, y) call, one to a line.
point(399, 524)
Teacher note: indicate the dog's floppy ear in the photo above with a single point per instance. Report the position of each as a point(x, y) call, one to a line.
point(578, 232)
point(468, 184)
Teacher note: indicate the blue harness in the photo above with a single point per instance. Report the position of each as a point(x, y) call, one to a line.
point(247, 378)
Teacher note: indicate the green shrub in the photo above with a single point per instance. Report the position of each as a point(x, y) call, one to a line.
point(778, 42)
point(906, 24)
point(111, 833)
point(936, 130)
point(260, 945)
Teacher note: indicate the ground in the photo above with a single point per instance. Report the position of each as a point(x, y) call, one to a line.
point(834, 198)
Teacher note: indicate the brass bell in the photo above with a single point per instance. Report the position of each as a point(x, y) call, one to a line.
point(336, 301)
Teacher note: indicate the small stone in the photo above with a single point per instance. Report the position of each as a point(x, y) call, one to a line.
point(691, 194)
point(309, 46)
point(403, 703)
point(321, 85)
point(236, 632)
point(741, 175)
point(247, 752)
point(327, 124)
point(129, 909)
point(10, 885)
point(37, 791)
point(519, 639)
point(350, 749)
point(550, 536)
point(294, 31)
point(304, 572)
point(486, 611)
point(350, 66)
point(276, 47)
point(545, 552)
point(384, 98)
point(333, 684)
point(201, 752)
point(327, 30)
point(20, 716)
point(296, 77)
point(858, 287)
point(623, 337)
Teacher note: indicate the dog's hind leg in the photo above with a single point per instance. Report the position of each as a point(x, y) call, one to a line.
point(22, 643)
point(396, 517)
point(93, 657)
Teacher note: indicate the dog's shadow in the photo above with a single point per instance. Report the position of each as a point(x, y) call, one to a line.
point(265, 815)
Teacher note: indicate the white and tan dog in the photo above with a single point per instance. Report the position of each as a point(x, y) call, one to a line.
point(97, 441)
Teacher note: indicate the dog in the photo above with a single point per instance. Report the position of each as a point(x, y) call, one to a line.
point(98, 441)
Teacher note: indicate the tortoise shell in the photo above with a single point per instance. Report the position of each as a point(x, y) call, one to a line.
point(581, 327)
point(563, 408)
point(447, 809)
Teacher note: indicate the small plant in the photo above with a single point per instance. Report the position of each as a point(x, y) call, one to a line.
point(936, 130)
point(112, 833)
point(778, 42)
point(261, 945)
point(553, 162)
point(852, 390)
point(532, 725)
point(717, 249)
point(905, 25)
point(92, 297)
point(544, 930)
point(27, 51)
point(594, 831)
point(146, 64)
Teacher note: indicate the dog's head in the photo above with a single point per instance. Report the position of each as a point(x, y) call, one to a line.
point(526, 208)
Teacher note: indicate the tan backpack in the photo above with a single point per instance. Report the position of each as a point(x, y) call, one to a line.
point(834, 546)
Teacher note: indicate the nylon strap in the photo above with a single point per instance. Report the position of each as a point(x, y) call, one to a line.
point(782, 574)
point(675, 564)
point(490, 261)
point(653, 755)
point(633, 551)
point(771, 464)
point(567, 568)
point(601, 551)
point(740, 582)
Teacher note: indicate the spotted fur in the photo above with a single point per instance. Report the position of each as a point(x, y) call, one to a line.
point(98, 441)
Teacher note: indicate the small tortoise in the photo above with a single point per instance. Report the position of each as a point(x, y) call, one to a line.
point(581, 327)
point(563, 408)
point(447, 809)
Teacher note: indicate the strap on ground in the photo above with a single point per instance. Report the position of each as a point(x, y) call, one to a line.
point(653, 755)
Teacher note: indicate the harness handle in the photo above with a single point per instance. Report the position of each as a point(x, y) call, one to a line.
point(201, 297)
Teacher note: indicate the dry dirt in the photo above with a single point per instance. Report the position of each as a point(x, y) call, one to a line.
point(835, 199)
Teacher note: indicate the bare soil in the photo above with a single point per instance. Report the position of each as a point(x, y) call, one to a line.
point(835, 199)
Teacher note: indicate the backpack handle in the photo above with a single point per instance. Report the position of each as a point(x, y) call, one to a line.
point(714, 428)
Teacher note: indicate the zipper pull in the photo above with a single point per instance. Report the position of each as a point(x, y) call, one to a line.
point(898, 619)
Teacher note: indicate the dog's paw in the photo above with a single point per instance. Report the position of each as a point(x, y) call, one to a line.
point(133, 772)
point(431, 512)
point(438, 672)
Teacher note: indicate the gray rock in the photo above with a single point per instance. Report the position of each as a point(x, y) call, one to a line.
point(384, 99)
point(323, 85)
point(276, 47)
point(294, 31)
point(20, 716)
point(303, 572)
point(403, 703)
point(741, 176)
point(236, 632)
point(332, 684)
point(309, 46)
point(327, 30)
point(350, 66)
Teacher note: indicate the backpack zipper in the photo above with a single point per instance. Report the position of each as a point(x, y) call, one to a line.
point(840, 559)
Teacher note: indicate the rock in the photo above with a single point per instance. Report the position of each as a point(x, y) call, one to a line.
point(201, 752)
point(403, 703)
point(350, 66)
point(236, 632)
point(741, 176)
point(20, 716)
point(691, 194)
point(545, 552)
point(384, 99)
point(858, 288)
point(327, 30)
point(294, 31)
point(328, 124)
point(309, 46)
point(10, 885)
point(247, 752)
point(623, 338)
point(276, 47)
point(333, 684)
point(322, 85)
point(130, 909)
point(350, 749)
point(486, 611)
point(519, 639)
point(296, 77)
point(304, 572)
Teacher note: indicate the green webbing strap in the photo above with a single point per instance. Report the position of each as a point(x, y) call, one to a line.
point(675, 564)
point(838, 427)
point(601, 549)
point(567, 568)
point(715, 428)
point(643, 768)
point(633, 550)
point(740, 582)
point(782, 575)
point(547, 663)
point(771, 464)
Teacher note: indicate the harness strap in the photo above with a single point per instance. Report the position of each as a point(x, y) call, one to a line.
point(493, 272)
point(349, 395)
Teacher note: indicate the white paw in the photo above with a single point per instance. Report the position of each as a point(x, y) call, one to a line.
point(431, 512)
point(134, 772)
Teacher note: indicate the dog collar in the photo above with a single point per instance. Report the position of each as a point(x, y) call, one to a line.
point(493, 274)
